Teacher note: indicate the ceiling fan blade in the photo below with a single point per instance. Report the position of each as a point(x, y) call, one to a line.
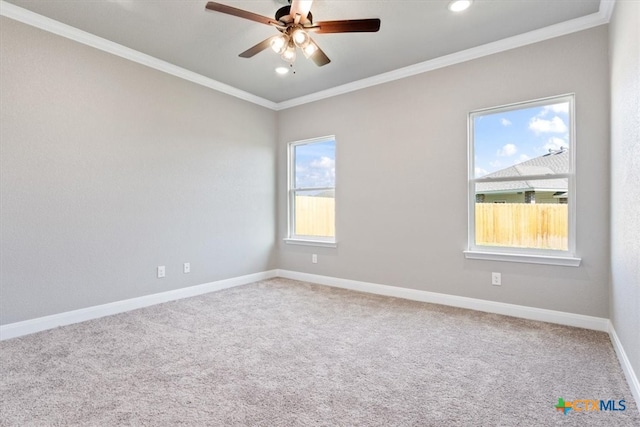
point(319, 57)
point(256, 49)
point(347, 26)
point(223, 8)
point(302, 8)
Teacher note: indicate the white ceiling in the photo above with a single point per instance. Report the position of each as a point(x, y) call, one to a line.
point(182, 33)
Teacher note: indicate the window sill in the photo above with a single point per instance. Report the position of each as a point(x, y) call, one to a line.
point(565, 261)
point(304, 242)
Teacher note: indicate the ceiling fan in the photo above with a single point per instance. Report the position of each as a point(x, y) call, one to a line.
point(294, 22)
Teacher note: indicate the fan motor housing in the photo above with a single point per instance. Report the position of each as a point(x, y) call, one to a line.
point(283, 13)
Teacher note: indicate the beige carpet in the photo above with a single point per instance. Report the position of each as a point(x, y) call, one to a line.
point(285, 353)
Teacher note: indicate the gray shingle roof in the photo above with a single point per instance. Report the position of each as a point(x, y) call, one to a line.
point(556, 162)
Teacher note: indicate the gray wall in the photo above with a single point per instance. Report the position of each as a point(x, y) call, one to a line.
point(110, 169)
point(401, 169)
point(625, 177)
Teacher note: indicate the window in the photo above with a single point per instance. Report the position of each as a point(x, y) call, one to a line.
point(312, 187)
point(522, 182)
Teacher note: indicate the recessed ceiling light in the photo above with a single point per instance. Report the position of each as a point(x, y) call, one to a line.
point(459, 5)
point(282, 70)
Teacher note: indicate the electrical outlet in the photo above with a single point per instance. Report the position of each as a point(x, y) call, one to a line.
point(314, 258)
point(186, 267)
point(161, 272)
point(496, 279)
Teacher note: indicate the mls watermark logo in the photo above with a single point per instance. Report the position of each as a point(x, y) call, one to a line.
point(590, 405)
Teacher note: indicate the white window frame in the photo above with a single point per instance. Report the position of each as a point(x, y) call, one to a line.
point(293, 238)
point(526, 255)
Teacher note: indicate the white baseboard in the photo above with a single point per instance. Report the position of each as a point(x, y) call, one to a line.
point(31, 326)
point(531, 313)
point(629, 373)
point(17, 329)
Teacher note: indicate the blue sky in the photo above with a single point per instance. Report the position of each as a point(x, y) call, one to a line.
point(316, 164)
point(511, 137)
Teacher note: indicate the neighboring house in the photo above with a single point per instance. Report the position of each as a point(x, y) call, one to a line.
point(326, 193)
point(528, 191)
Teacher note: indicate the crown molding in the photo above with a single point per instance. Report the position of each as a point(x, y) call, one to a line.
point(583, 23)
point(603, 16)
point(606, 9)
point(42, 22)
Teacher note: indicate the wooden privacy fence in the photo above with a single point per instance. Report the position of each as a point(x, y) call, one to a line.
point(315, 216)
point(541, 226)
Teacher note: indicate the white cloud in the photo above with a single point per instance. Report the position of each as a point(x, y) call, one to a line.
point(320, 172)
point(562, 108)
point(480, 172)
point(554, 143)
point(555, 125)
point(495, 164)
point(507, 150)
point(323, 163)
point(523, 158)
point(505, 122)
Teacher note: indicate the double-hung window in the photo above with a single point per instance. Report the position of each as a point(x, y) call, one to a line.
point(522, 182)
point(311, 192)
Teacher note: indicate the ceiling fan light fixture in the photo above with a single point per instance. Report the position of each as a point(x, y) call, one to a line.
point(459, 5)
point(309, 49)
point(289, 53)
point(279, 43)
point(300, 37)
point(294, 23)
